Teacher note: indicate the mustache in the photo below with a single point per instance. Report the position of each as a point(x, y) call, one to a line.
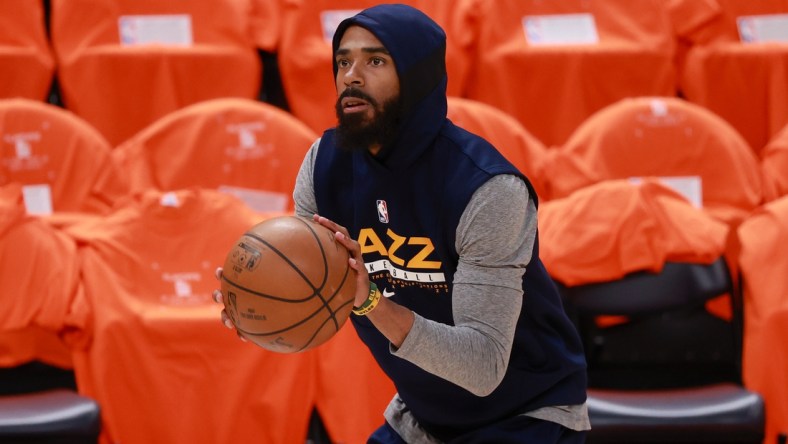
point(358, 94)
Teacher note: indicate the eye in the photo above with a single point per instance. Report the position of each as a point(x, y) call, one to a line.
point(343, 63)
point(377, 61)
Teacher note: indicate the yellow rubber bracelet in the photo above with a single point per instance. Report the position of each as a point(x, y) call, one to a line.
point(370, 303)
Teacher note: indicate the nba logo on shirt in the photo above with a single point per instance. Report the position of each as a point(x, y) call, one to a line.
point(383, 212)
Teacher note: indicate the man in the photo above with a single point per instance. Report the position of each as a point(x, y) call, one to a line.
point(441, 230)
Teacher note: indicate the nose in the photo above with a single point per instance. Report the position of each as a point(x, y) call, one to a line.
point(353, 77)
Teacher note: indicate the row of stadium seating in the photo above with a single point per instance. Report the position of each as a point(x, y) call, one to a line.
point(148, 208)
point(225, 143)
point(121, 64)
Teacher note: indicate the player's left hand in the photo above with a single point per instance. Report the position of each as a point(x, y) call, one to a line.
point(356, 260)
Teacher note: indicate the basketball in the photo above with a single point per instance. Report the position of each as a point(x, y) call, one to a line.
point(287, 285)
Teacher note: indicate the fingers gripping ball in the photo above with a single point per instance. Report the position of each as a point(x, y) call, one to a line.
point(287, 285)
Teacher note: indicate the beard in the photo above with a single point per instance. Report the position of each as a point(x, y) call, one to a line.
point(356, 132)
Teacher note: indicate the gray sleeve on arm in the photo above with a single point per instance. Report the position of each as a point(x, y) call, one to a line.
point(495, 239)
point(304, 191)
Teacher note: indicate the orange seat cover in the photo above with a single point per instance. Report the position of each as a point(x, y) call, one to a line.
point(153, 351)
point(48, 146)
point(764, 269)
point(121, 87)
point(661, 136)
point(235, 144)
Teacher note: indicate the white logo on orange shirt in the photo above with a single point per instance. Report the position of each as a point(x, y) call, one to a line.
point(183, 289)
point(248, 147)
point(25, 159)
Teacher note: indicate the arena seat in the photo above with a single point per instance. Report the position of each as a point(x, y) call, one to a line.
point(63, 163)
point(691, 19)
point(39, 276)
point(764, 276)
point(636, 266)
point(153, 351)
point(125, 63)
point(662, 137)
point(244, 147)
point(27, 65)
point(774, 164)
point(265, 22)
point(740, 72)
point(305, 55)
point(514, 141)
point(54, 416)
point(552, 64)
point(38, 266)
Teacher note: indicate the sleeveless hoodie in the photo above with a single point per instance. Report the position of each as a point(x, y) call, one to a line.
point(404, 204)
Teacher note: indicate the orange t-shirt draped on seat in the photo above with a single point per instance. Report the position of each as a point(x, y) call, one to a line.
point(240, 146)
point(39, 279)
point(153, 351)
point(608, 230)
point(764, 270)
point(352, 390)
point(741, 74)
point(125, 63)
point(63, 163)
point(662, 137)
point(612, 228)
point(505, 133)
point(551, 64)
point(640, 267)
point(774, 165)
point(26, 61)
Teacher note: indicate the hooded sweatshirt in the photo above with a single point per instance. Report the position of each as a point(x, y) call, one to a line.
point(404, 205)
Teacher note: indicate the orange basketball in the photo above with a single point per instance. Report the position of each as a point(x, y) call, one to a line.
point(287, 285)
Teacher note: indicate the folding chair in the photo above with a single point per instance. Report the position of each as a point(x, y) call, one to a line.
point(669, 335)
point(39, 278)
point(637, 266)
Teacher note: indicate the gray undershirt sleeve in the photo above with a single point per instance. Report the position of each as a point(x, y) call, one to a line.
point(304, 191)
point(495, 239)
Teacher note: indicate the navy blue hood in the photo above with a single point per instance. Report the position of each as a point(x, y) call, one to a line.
point(418, 47)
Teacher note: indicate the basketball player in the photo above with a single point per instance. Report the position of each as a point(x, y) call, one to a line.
point(452, 299)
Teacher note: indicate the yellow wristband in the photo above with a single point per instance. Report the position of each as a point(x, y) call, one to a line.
point(370, 303)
